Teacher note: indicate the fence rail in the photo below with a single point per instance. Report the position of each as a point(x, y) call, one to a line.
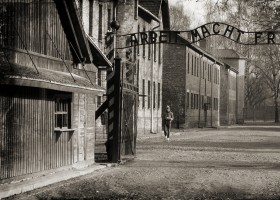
point(259, 114)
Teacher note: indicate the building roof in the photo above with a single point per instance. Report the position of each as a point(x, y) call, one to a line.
point(27, 76)
point(71, 22)
point(228, 53)
point(99, 58)
point(151, 5)
point(200, 50)
point(153, 8)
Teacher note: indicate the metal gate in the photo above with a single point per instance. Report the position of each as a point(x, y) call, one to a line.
point(129, 101)
point(129, 125)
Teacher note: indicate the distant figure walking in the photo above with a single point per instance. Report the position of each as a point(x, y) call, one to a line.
point(168, 118)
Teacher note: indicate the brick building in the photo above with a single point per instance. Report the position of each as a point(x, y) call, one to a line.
point(228, 105)
point(96, 17)
point(235, 70)
point(151, 15)
point(133, 16)
point(191, 85)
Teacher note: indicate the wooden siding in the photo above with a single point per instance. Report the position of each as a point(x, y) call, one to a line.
point(32, 21)
point(28, 142)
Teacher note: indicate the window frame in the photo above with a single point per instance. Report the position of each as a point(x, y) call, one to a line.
point(63, 106)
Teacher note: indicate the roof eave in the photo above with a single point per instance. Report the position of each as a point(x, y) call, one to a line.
point(95, 50)
point(149, 13)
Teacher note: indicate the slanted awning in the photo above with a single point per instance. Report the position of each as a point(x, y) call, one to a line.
point(73, 28)
point(48, 79)
point(99, 58)
point(148, 13)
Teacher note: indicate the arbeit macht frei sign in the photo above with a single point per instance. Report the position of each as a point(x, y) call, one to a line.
point(202, 32)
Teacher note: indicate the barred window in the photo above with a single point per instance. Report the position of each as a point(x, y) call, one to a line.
point(100, 23)
point(154, 96)
point(158, 95)
point(192, 106)
point(144, 46)
point(143, 91)
point(90, 17)
point(62, 113)
point(149, 94)
point(192, 64)
point(188, 100)
point(188, 63)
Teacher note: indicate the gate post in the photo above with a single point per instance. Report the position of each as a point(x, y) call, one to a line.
point(114, 113)
point(117, 111)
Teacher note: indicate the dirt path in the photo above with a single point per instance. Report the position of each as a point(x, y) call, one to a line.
point(223, 164)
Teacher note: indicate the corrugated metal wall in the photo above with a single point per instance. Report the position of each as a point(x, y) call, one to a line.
point(28, 142)
point(28, 24)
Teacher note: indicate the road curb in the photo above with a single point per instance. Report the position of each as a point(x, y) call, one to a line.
point(10, 189)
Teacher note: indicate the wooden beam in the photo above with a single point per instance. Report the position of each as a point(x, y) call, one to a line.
point(101, 109)
point(73, 29)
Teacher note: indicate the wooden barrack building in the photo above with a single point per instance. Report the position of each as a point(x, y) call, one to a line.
point(47, 87)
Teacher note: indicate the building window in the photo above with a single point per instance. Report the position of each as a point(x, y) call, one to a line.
point(188, 63)
point(192, 106)
point(149, 94)
point(188, 100)
point(144, 46)
point(196, 101)
point(154, 96)
point(136, 9)
point(149, 51)
point(90, 17)
point(100, 23)
point(208, 72)
point(200, 66)
point(215, 103)
point(197, 67)
point(143, 93)
point(218, 76)
point(109, 19)
point(202, 101)
point(158, 95)
point(155, 52)
point(203, 69)
point(192, 64)
point(209, 103)
point(99, 101)
point(211, 73)
point(62, 113)
point(81, 8)
point(138, 35)
point(159, 53)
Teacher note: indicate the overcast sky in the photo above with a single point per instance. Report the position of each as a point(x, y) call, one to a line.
point(194, 9)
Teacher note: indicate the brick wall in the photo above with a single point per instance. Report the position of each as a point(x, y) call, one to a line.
point(240, 65)
point(150, 69)
point(173, 82)
point(98, 7)
point(228, 107)
point(181, 83)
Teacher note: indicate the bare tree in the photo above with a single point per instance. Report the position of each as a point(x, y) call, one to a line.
point(268, 64)
point(178, 19)
point(256, 92)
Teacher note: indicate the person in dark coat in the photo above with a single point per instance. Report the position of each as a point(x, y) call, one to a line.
point(168, 118)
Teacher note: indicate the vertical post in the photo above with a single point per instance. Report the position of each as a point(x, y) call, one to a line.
point(117, 111)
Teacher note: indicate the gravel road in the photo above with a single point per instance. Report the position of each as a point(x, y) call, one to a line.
point(197, 164)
